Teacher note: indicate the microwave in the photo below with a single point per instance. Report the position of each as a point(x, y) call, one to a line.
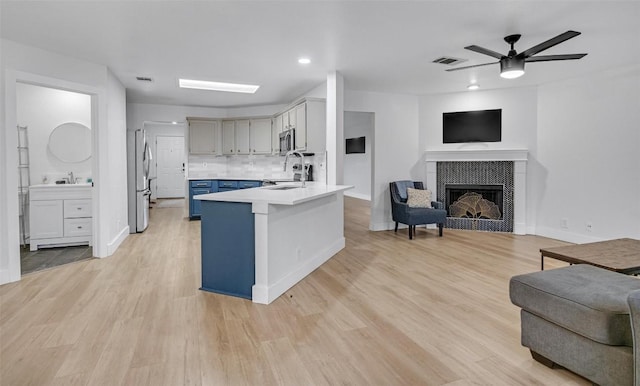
point(287, 141)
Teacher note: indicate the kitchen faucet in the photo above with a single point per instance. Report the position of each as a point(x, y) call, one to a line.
point(297, 153)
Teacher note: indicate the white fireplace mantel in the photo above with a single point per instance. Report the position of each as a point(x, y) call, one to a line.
point(476, 155)
point(519, 158)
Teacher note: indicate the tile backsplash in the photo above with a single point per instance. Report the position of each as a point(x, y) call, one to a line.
point(257, 167)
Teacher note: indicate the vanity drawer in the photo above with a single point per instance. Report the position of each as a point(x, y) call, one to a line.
point(77, 208)
point(77, 227)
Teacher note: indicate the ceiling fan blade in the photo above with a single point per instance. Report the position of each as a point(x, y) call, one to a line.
point(548, 58)
point(549, 43)
point(485, 51)
point(466, 67)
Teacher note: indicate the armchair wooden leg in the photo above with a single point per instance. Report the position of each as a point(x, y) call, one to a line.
point(396, 230)
point(410, 232)
point(440, 226)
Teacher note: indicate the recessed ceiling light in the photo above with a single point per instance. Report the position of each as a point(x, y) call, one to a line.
point(473, 86)
point(217, 86)
point(304, 60)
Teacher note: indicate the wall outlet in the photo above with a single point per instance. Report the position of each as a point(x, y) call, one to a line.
point(589, 226)
point(564, 223)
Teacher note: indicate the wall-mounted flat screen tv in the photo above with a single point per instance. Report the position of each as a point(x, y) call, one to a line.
point(355, 145)
point(472, 126)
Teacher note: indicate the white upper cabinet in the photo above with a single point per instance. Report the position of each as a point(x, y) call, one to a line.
point(203, 136)
point(242, 136)
point(260, 136)
point(309, 119)
point(276, 129)
point(246, 136)
point(300, 113)
point(228, 137)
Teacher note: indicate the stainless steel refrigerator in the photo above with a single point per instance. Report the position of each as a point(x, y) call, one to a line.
point(138, 166)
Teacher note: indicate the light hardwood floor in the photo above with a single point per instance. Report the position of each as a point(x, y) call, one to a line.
point(384, 311)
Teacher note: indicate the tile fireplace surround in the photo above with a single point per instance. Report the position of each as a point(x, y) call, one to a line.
point(517, 156)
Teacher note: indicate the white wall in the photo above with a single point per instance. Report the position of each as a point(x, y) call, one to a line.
point(396, 153)
point(519, 128)
point(116, 152)
point(357, 167)
point(42, 109)
point(519, 109)
point(588, 140)
point(32, 65)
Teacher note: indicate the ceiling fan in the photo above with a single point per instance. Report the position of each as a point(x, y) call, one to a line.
point(512, 64)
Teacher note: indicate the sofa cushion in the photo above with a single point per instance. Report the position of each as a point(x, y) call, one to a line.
point(587, 300)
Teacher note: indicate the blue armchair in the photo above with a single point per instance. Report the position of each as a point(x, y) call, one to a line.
point(402, 213)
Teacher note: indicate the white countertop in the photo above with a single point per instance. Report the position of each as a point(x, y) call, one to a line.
point(59, 186)
point(271, 194)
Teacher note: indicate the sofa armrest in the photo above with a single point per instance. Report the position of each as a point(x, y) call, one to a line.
point(634, 311)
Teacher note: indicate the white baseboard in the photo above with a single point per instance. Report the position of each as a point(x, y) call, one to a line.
point(267, 294)
point(115, 243)
point(567, 236)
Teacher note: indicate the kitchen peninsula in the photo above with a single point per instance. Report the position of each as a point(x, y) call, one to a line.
point(257, 243)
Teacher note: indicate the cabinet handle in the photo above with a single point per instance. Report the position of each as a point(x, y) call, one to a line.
point(79, 227)
point(79, 208)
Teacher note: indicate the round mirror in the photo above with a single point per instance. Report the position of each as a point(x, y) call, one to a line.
point(71, 142)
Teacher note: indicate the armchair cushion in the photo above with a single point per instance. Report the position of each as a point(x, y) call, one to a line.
point(402, 187)
point(417, 198)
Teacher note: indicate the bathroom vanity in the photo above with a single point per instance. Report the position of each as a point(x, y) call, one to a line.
point(60, 215)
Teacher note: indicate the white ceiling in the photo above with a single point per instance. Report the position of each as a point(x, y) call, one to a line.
point(377, 46)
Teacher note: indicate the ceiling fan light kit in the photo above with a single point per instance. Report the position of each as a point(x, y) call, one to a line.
point(511, 68)
point(512, 64)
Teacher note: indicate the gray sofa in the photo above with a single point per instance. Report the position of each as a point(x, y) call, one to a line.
point(583, 318)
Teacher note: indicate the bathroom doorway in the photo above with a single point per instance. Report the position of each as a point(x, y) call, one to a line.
point(55, 147)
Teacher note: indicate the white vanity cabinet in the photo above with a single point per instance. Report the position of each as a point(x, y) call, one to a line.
point(60, 215)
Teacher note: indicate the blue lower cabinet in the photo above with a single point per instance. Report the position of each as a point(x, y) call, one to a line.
point(211, 186)
point(228, 248)
point(197, 187)
point(249, 184)
point(227, 184)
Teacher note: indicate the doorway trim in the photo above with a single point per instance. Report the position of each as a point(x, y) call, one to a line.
point(10, 265)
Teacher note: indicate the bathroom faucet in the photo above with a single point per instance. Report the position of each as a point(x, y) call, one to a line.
point(72, 180)
point(297, 153)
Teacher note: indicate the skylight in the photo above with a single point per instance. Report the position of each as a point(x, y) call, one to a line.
point(217, 86)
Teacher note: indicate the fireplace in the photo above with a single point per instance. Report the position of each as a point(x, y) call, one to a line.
point(480, 193)
point(474, 201)
point(503, 168)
